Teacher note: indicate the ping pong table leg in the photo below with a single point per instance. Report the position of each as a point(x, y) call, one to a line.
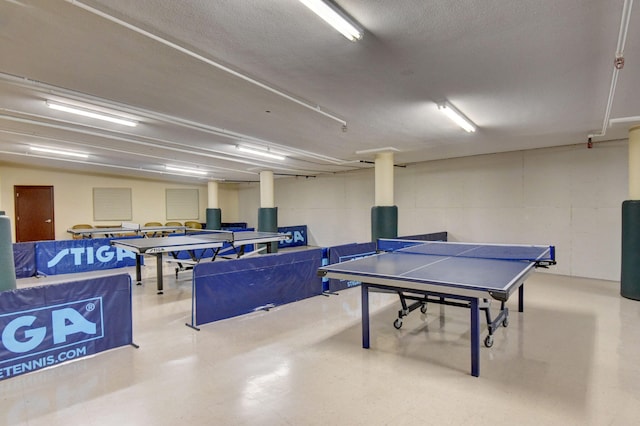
point(365, 315)
point(475, 338)
point(521, 298)
point(138, 269)
point(159, 271)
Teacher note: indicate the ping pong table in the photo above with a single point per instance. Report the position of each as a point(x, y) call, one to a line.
point(196, 246)
point(449, 273)
point(126, 228)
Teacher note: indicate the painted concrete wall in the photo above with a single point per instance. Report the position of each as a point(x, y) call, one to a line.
point(73, 197)
point(568, 196)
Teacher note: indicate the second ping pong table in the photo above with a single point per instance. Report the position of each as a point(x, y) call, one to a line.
point(458, 274)
point(196, 246)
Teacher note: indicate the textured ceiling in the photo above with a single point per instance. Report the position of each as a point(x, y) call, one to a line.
point(202, 77)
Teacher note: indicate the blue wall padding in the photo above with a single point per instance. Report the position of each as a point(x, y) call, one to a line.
point(101, 306)
point(24, 256)
point(224, 289)
point(346, 252)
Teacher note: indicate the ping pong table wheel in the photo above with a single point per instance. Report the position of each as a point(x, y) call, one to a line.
point(505, 322)
point(488, 341)
point(397, 323)
point(423, 308)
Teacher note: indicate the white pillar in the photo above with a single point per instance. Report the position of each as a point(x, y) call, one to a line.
point(634, 163)
point(384, 179)
point(212, 192)
point(267, 198)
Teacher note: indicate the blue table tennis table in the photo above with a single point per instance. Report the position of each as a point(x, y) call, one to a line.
point(449, 273)
point(196, 246)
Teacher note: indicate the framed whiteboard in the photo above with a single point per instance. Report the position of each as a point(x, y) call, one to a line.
point(112, 204)
point(182, 204)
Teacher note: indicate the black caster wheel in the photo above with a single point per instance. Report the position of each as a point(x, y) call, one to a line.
point(488, 341)
point(423, 308)
point(397, 323)
point(505, 322)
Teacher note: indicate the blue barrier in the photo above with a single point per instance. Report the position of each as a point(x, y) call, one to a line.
point(343, 253)
point(24, 258)
point(48, 325)
point(227, 289)
point(434, 236)
point(70, 256)
point(298, 236)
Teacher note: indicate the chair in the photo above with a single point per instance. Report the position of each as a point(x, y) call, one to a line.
point(80, 226)
point(152, 233)
point(193, 224)
point(171, 224)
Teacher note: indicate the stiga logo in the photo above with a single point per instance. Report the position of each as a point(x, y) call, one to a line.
point(89, 256)
point(37, 332)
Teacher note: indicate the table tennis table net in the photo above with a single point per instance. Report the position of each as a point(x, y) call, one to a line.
point(477, 251)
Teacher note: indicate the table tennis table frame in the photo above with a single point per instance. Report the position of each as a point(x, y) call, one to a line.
point(474, 303)
point(474, 299)
point(237, 245)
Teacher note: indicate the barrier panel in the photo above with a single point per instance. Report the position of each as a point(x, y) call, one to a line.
point(227, 289)
point(89, 254)
point(346, 252)
point(435, 236)
point(24, 258)
point(298, 236)
point(343, 253)
point(48, 325)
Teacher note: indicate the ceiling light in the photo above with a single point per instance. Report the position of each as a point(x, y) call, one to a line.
point(335, 17)
point(261, 153)
point(91, 114)
point(457, 117)
point(185, 170)
point(59, 152)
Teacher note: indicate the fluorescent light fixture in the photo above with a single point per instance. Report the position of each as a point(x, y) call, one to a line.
point(261, 153)
point(59, 152)
point(457, 117)
point(377, 150)
point(185, 170)
point(91, 114)
point(335, 17)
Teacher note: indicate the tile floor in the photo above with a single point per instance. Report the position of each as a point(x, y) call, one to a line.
point(572, 358)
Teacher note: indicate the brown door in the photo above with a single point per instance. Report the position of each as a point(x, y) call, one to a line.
point(34, 213)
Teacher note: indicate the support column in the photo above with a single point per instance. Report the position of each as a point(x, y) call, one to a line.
point(214, 214)
point(268, 212)
point(630, 270)
point(384, 215)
